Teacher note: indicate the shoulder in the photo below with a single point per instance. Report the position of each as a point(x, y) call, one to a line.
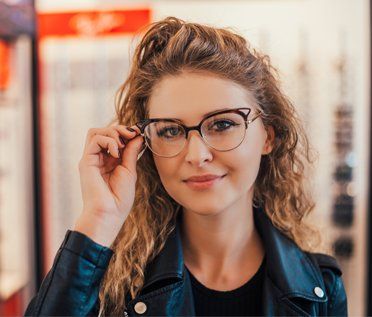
point(330, 269)
point(332, 277)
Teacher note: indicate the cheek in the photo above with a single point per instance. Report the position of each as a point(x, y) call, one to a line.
point(167, 170)
point(244, 162)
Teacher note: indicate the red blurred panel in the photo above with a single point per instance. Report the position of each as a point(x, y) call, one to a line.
point(4, 65)
point(13, 305)
point(92, 23)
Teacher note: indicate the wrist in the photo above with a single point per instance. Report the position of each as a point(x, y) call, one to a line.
point(100, 230)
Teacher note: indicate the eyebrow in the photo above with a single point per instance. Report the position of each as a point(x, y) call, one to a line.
point(204, 116)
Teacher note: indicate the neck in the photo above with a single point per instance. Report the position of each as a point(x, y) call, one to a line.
point(221, 241)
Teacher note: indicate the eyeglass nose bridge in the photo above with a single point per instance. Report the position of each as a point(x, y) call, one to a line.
point(195, 127)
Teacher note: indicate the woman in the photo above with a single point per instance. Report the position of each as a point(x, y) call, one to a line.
point(212, 222)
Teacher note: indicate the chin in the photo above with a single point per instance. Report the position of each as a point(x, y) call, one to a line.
point(203, 211)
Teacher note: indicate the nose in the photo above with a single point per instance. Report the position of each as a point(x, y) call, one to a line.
point(197, 151)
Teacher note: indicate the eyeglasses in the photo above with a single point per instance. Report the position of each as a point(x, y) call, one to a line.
point(222, 130)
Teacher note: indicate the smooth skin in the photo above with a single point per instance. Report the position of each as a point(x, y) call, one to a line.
point(220, 242)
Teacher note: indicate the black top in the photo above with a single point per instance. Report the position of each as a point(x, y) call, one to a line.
point(242, 301)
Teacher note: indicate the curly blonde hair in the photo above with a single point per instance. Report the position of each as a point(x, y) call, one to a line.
point(169, 47)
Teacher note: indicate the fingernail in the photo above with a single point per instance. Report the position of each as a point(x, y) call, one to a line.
point(122, 141)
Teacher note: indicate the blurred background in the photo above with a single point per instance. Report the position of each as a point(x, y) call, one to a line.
point(61, 63)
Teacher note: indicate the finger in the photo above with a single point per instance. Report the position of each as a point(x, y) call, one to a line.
point(114, 133)
point(126, 133)
point(110, 131)
point(101, 143)
point(130, 153)
point(90, 134)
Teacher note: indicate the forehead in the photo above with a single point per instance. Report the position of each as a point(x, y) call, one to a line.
point(190, 95)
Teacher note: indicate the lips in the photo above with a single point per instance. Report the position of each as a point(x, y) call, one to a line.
point(203, 178)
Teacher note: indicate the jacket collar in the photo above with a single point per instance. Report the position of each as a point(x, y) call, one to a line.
point(169, 262)
point(288, 267)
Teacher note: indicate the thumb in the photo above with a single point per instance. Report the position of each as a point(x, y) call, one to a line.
point(130, 153)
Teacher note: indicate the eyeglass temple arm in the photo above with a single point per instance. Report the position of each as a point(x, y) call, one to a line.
point(259, 112)
point(140, 125)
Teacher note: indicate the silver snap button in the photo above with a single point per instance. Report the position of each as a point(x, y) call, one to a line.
point(318, 292)
point(140, 307)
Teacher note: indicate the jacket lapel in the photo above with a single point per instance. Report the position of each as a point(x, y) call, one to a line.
point(167, 287)
point(289, 281)
point(291, 276)
point(169, 262)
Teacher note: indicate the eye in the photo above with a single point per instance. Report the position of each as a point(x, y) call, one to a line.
point(169, 132)
point(223, 125)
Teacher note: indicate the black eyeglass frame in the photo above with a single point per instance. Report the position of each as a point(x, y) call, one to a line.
point(143, 123)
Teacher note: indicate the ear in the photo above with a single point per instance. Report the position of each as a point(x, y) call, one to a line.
point(269, 142)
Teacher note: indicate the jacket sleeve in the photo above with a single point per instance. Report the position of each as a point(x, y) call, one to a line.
point(71, 287)
point(332, 276)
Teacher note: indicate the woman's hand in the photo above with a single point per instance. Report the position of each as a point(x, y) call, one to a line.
point(108, 180)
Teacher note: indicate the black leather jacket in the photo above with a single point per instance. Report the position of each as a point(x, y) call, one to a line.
point(296, 283)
